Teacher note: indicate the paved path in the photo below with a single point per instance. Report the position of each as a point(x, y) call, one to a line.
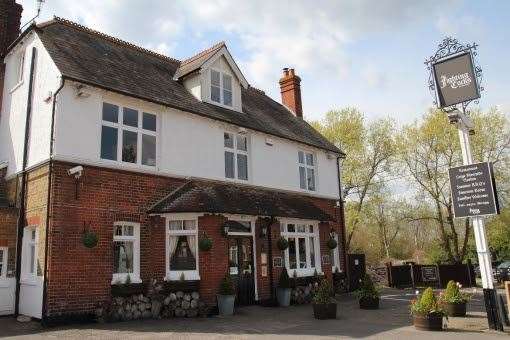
point(392, 321)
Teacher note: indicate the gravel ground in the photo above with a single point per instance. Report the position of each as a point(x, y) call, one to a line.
point(391, 321)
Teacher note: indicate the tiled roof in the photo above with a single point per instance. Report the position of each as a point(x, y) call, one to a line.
point(230, 198)
point(96, 59)
point(191, 64)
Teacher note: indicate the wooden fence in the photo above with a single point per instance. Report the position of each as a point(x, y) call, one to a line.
point(413, 275)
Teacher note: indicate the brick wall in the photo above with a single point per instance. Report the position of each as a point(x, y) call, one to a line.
point(79, 278)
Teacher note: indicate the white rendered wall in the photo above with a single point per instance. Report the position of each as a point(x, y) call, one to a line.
point(14, 106)
point(187, 145)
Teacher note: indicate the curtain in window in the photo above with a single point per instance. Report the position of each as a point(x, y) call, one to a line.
point(172, 245)
point(192, 245)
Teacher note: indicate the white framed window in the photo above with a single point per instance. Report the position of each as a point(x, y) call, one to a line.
point(20, 67)
point(182, 249)
point(236, 156)
point(335, 256)
point(303, 254)
point(3, 262)
point(29, 254)
point(221, 88)
point(126, 252)
point(307, 170)
point(128, 135)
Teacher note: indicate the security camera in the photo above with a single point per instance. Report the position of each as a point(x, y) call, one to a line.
point(77, 171)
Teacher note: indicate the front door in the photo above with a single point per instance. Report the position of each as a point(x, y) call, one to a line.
point(241, 269)
point(7, 285)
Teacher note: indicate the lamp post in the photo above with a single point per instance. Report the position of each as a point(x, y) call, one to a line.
point(454, 82)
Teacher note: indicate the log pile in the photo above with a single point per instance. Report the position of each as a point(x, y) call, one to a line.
point(303, 294)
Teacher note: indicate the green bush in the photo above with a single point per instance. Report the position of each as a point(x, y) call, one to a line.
point(452, 294)
point(324, 293)
point(284, 281)
point(226, 286)
point(426, 304)
point(367, 289)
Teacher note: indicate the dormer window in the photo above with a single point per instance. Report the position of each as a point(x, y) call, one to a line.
point(221, 88)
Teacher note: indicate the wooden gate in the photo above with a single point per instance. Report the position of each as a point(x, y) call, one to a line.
point(356, 268)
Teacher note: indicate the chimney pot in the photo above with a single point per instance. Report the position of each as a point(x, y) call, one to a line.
point(290, 88)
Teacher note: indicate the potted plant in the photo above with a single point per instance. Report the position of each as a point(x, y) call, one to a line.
point(89, 239)
point(205, 243)
point(453, 300)
point(226, 297)
point(368, 294)
point(282, 243)
point(427, 312)
point(324, 306)
point(283, 291)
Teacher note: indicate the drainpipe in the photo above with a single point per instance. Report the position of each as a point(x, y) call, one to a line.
point(270, 256)
point(342, 217)
point(21, 216)
point(48, 200)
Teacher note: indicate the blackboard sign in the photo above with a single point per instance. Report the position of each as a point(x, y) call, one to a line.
point(455, 80)
point(473, 190)
point(429, 274)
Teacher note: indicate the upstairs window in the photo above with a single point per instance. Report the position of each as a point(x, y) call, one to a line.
point(307, 170)
point(126, 252)
point(134, 131)
point(221, 88)
point(236, 156)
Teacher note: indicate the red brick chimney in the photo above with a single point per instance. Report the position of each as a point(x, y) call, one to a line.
point(10, 20)
point(291, 92)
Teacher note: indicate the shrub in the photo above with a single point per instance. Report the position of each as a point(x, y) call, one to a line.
point(426, 304)
point(367, 289)
point(452, 294)
point(284, 281)
point(324, 293)
point(226, 286)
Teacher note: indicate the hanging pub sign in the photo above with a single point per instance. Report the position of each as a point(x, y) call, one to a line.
point(455, 80)
point(473, 190)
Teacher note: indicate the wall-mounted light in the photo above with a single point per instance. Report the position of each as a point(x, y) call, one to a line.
point(263, 231)
point(224, 230)
point(332, 233)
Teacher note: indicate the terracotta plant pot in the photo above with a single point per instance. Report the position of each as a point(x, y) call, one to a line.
point(324, 311)
point(369, 303)
point(430, 322)
point(455, 309)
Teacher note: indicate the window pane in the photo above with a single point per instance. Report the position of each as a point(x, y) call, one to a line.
point(123, 257)
point(227, 98)
point(182, 251)
point(292, 252)
point(130, 117)
point(228, 140)
point(301, 157)
point(215, 78)
point(310, 228)
point(215, 94)
point(118, 230)
point(291, 228)
point(242, 167)
point(302, 252)
point(227, 82)
point(310, 178)
point(175, 225)
point(109, 143)
point(233, 260)
point(149, 150)
point(309, 159)
point(32, 235)
point(312, 252)
point(149, 121)
point(241, 143)
point(129, 141)
point(301, 228)
point(128, 230)
point(110, 113)
point(302, 178)
point(32, 259)
point(229, 164)
point(189, 225)
point(1, 263)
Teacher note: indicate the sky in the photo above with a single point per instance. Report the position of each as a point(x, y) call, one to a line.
point(357, 53)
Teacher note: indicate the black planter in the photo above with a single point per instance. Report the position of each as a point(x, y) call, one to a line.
point(455, 309)
point(369, 303)
point(430, 322)
point(324, 311)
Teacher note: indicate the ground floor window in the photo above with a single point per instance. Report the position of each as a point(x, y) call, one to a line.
point(182, 249)
point(3, 262)
point(303, 254)
point(126, 252)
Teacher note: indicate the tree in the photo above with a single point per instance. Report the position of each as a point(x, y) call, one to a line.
point(370, 149)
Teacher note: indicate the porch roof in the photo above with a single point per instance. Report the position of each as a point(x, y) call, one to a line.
point(230, 198)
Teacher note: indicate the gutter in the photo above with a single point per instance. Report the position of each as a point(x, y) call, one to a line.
point(48, 200)
point(21, 216)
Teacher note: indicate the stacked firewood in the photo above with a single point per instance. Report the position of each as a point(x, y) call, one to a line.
point(182, 304)
point(303, 294)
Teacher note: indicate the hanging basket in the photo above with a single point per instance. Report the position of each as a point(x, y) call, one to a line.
point(205, 243)
point(282, 243)
point(332, 243)
point(89, 239)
